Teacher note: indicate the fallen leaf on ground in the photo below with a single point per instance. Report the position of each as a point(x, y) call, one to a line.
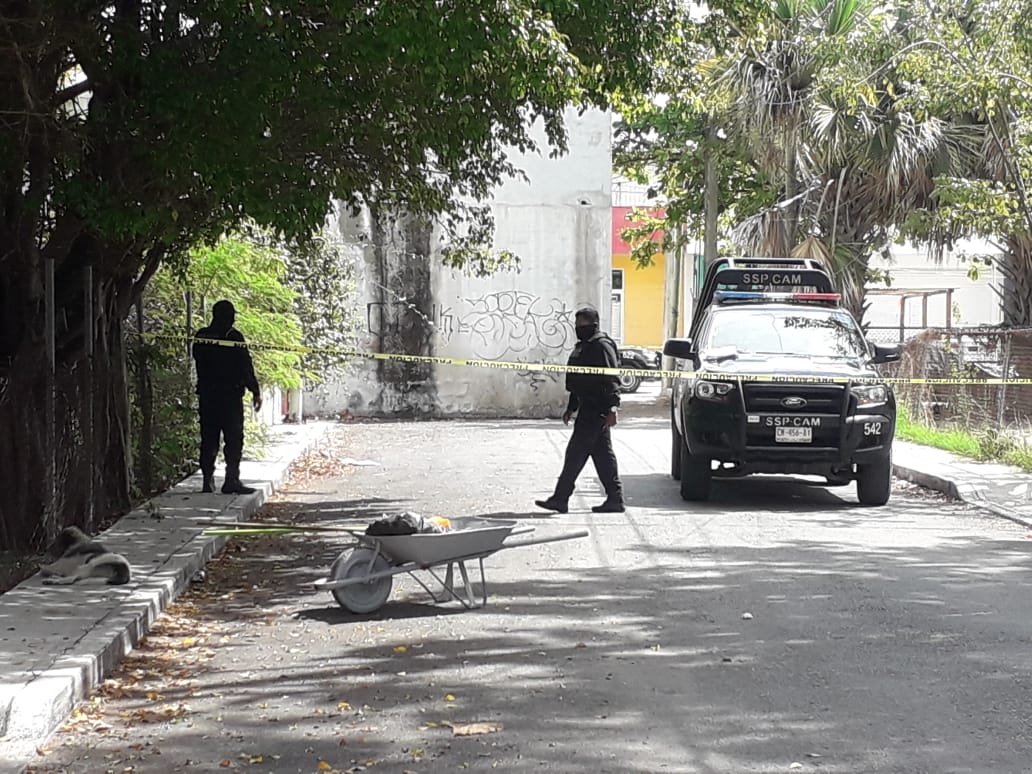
point(475, 729)
point(324, 766)
point(401, 649)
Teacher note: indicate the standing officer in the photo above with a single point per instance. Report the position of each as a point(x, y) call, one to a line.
point(223, 373)
point(594, 398)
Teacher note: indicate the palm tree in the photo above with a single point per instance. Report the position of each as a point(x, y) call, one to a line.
point(862, 163)
point(771, 80)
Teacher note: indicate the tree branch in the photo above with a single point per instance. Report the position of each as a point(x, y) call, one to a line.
point(69, 93)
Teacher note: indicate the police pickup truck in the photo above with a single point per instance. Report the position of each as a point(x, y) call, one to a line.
point(779, 379)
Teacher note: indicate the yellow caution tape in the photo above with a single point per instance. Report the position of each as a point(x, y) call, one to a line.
point(644, 372)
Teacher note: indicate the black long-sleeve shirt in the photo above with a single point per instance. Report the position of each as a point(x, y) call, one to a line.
point(593, 392)
point(222, 368)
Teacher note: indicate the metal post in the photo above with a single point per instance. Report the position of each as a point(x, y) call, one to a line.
point(924, 311)
point(949, 308)
point(902, 319)
point(90, 334)
point(1005, 374)
point(50, 507)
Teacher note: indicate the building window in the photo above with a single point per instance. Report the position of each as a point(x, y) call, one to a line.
point(617, 279)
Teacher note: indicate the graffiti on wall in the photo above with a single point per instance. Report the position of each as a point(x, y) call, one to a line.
point(509, 324)
point(539, 379)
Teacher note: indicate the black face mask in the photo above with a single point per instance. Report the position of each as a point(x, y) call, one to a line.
point(585, 332)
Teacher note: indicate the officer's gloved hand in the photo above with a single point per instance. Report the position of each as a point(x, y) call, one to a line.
point(256, 401)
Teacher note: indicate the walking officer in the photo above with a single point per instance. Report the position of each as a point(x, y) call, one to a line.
point(594, 398)
point(223, 373)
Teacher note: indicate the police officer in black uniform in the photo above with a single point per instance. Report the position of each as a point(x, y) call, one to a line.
point(223, 373)
point(594, 398)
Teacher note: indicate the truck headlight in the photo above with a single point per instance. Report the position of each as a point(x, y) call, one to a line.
point(712, 390)
point(870, 395)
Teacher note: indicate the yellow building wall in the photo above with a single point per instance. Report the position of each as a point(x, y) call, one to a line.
point(642, 301)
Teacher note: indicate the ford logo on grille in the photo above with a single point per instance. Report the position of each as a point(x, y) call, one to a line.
point(793, 401)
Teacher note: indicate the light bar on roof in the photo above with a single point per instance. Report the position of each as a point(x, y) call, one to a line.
point(754, 295)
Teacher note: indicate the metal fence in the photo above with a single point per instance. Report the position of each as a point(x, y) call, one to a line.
point(968, 353)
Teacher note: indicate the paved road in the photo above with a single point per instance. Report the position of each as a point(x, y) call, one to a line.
point(780, 627)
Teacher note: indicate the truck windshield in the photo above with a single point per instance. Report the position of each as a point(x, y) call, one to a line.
point(810, 333)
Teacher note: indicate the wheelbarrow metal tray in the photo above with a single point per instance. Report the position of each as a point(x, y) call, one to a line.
point(468, 537)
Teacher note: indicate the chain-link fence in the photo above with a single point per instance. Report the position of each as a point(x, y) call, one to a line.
point(975, 353)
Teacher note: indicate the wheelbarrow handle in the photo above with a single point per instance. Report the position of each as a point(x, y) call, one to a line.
point(553, 539)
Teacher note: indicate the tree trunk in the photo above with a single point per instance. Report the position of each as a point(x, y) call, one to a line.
point(23, 452)
point(711, 199)
point(1016, 267)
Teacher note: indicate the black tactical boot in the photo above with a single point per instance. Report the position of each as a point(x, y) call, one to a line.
point(610, 506)
point(209, 484)
point(553, 504)
point(235, 486)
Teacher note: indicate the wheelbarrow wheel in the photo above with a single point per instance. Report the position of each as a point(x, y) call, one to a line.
point(361, 597)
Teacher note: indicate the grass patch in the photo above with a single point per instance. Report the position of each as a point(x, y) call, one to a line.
point(986, 445)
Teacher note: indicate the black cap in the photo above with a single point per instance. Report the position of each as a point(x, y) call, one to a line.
point(588, 313)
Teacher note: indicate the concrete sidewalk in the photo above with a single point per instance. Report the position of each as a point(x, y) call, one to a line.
point(58, 642)
point(1001, 489)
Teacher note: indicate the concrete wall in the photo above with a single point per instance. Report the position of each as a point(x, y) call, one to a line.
point(974, 301)
point(559, 223)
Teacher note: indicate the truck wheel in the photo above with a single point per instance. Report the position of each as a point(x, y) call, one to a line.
point(629, 382)
point(874, 482)
point(675, 452)
point(696, 475)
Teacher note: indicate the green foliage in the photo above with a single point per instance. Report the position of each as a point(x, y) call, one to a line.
point(986, 444)
point(323, 280)
point(210, 112)
point(253, 277)
point(469, 232)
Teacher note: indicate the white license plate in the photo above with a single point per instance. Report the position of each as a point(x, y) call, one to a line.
point(793, 434)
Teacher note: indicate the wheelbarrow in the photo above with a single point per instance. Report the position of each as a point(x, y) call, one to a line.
point(361, 578)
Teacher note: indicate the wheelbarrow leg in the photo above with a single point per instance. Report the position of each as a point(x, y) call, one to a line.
point(466, 585)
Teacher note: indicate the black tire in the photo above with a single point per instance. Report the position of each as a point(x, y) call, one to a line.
point(675, 452)
point(629, 382)
point(874, 482)
point(696, 476)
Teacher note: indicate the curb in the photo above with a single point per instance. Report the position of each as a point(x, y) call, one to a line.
point(965, 493)
point(35, 702)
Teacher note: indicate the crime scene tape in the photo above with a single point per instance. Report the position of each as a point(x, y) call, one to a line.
point(507, 365)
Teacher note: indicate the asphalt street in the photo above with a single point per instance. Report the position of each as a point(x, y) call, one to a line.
point(780, 627)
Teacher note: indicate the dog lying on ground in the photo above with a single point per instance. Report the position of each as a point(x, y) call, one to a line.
point(80, 558)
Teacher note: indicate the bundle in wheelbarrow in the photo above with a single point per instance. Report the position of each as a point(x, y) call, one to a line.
point(362, 576)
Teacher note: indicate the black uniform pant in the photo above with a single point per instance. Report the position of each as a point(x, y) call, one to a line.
point(222, 414)
point(591, 438)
